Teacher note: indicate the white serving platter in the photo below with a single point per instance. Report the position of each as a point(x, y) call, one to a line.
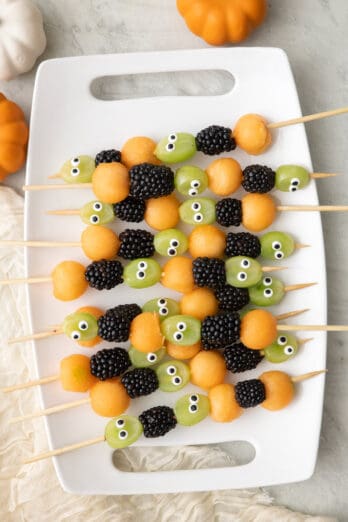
point(66, 121)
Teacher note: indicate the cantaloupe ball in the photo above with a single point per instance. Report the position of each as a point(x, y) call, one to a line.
point(75, 373)
point(145, 332)
point(258, 329)
point(199, 303)
point(279, 390)
point(68, 280)
point(207, 369)
point(252, 134)
point(162, 213)
point(139, 149)
point(96, 312)
point(109, 398)
point(99, 243)
point(183, 352)
point(177, 274)
point(110, 182)
point(224, 176)
point(223, 404)
point(207, 241)
point(258, 212)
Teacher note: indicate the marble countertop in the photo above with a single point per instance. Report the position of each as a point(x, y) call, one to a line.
point(314, 35)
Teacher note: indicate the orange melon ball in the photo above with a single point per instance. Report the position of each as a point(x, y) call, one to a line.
point(139, 149)
point(279, 390)
point(75, 374)
point(224, 176)
point(109, 398)
point(99, 243)
point(199, 303)
point(96, 312)
point(207, 369)
point(145, 332)
point(110, 182)
point(68, 279)
point(252, 134)
point(258, 329)
point(162, 213)
point(223, 404)
point(207, 241)
point(177, 274)
point(183, 352)
point(258, 211)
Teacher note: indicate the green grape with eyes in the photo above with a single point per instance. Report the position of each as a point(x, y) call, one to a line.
point(142, 273)
point(290, 178)
point(182, 330)
point(268, 292)
point(80, 326)
point(171, 242)
point(282, 349)
point(172, 375)
point(163, 306)
point(122, 431)
point(97, 213)
point(198, 211)
point(190, 180)
point(176, 147)
point(79, 169)
point(143, 360)
point(243, 272)
point(191, 409)
point(276, 245)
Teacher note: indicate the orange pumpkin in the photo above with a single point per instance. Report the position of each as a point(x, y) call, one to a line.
point(222, 21)
point(13, 137)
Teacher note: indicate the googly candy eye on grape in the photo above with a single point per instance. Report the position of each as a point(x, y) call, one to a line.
point(176, 147)
point(172, 375)
point(141, 273)
point(268, 292)
point(144, 360)
point(243, 272)
point(290, 178)
point(190, 181)
point(276, 245)
point(97, 213)
point(198, 211)
point(190, 412)
point(123, 431)
point(171, 242)
point(182, 330)
point(163, 306)
point(78, 169)
point(80, 326)
point(282, 349)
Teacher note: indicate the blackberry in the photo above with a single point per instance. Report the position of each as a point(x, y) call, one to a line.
point(140, 382)
point(136, 243)
point(130, 209)
point(250, 393)
point(229, 212)
point(104, 274)
point(209, 272)
point(114, 325)
point(107, 364)
point(157, 421)
point(220, 331)
point(258, 178)
point(215, 140)
point(151, 181)
point(108, 156)
point(231, 299)
point(239, 358)
point(242, 244)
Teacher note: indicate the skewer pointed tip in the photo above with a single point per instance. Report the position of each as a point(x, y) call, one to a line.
point(305, 376)
point(301, 245)
point(291, 314)
point(298, 286)
point(301, 342)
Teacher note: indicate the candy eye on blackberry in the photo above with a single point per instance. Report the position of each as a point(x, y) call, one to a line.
point(267, 281)
point(142, 265)
point(245, 263)
point(163, 311)
point(97, 206)
point(295, 182)
point(83, 325)
point(75, 335)
point(279, 255)
point(282, 340)
point(196, 206)
point(75, 171)
point(162, 302)
point(170, 147)
point(192, 408)
point(242, 276)
point(288, 350)
point(194, 398)
point(151, 357)
point(178, 336)
point(75, 161)
point(198, 217)
point(172, 137)
point(171, 370)
point(276, 245)
point(268, 292)
point(140, 275)
point(195, 183)
point(123, 434)
point(181, 326)
point(119, 423)
point(177, 380)
point(174, 243)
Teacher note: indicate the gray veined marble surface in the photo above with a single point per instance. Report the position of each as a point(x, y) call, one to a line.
point(314, 33)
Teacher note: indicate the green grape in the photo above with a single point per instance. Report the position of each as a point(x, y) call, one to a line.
point(276, 245)
point(78, 170)
point(97, 213)
point(172, 375)
point(243, 272)
point(191, 409)
point(177, 147)
point(122, 431)
point(171, 242)
point(163, 306)
point(290, 178)
point(143, 360)
point(141, 273)
point(282, 349)
point(268, 292)
point(198, 211)
point(182, 330)
point(190, 181)
point(80, 326)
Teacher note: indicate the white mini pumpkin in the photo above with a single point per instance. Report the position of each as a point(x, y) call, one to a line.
point(22, 37)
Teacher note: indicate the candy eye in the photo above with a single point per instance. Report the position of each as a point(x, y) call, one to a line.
point(83, 325)
point(198, 217)
point(267, 281)
point(178, 336)
point(195, 183)
point(282, 340)
point(279, 255)
point(75, 161)
point(194, 398)
point(97, 206)
point(75, 335)
point(170, 147)
point(294, 182)
point(288, 350)
point(177, 380)
point(120, 423)
point(192, 192)
point(75, 171)
point(172, 137)
point(163, 311)
point(140, 274)
point(245, 263)
point(193, 408)
point(242, 276)
point(94, 219)
point(292, 188)
point(142, 265)
point(171, 252)
point(123, 434)
point(171, 370)
point(151, 357)
point(276, 245)
point(181, 326)
point(196, 206)
point(174, 243)
point(161, 302)
point(268, 292)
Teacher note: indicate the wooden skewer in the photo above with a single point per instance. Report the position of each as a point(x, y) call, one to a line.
point(32, 337)
point(304, 341)
point(45, 244)
point(313, 208)
point(290, 288)
point(310, 117)
point(291, 314)
point(25, 280)
point(30, 384)
point(273, 268)
point(312, 327)
point(66, 449)
point(300, 245)
point(305, 376)
point(49, 411)
point(55, 176)
point(67, 212)
point(321, 175)
point(62, 186)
